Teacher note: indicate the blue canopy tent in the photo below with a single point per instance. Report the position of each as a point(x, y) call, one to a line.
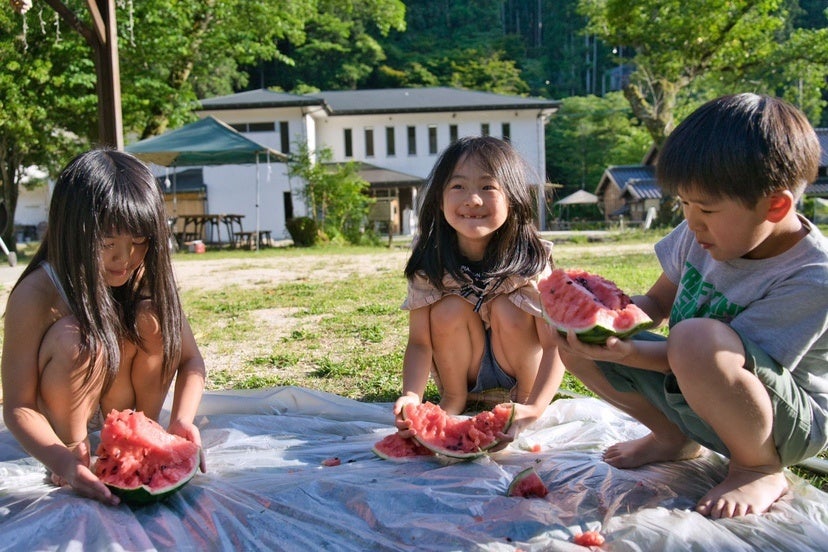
point(207, 141)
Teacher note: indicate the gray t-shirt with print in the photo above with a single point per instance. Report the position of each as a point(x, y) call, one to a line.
point(780, 304)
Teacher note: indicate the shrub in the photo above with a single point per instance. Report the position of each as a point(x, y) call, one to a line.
point(303, 231)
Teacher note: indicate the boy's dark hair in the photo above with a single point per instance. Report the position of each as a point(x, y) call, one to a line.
point(515, 248)
point(99, 193)
point(742, 147)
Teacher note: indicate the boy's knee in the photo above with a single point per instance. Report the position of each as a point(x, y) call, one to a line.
point(694, 342)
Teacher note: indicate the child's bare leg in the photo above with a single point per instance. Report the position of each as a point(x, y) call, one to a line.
point(738, 408)
point(63, 397)
point(665, 443)
point(139, 384)
point(457, 337)
point(515, 344)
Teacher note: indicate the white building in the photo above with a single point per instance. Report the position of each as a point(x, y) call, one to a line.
point(396, 134)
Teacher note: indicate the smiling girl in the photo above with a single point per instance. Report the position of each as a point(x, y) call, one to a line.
point(95, 323)
point(475, 319)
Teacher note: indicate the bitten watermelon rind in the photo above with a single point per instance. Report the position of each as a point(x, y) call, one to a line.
point(603, 323)
point(517, 481)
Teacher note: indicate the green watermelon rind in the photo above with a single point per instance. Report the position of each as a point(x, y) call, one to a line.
point(472, 455)
point(597, 334)
point(143, 494)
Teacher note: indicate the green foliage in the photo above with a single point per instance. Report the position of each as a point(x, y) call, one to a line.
point(587, 135)
point(335, 195)
point(303, 231)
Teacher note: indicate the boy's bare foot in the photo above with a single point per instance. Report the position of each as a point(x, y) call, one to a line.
point(743, 491)
point(649, 449)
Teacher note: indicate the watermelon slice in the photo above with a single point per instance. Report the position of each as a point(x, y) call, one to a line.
point(527, 484)
point(394, 447)
point(460, 437)
point(590, 305)
point(139, 461)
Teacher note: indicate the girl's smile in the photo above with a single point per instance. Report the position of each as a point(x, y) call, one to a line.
point(122, 254)
point(475, 205)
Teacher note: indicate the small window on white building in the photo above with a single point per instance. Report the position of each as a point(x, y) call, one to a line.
point(349, 143)
point(453, 135)
point(412, 140)
point(369, 142)
point(284, 136)
point(484, 129)
point(432, 139)
point(390, 144)
point(506, 131)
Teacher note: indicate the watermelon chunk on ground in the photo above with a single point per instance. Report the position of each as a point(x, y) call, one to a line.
point(590, 305)
point(460, 437)
point(139, 461)
point(527, 484)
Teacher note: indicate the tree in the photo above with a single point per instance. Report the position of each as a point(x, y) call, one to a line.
point(589, 133)
point(679, 42)
point(335, 196)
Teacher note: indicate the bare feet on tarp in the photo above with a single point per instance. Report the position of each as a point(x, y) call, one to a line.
point(649, 449)
point(743, 491)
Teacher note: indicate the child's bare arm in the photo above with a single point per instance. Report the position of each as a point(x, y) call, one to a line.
point(417, 361)
point(189, 388)
point(658, 301)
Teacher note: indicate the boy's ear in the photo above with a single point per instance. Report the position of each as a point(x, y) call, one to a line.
point(780, 203)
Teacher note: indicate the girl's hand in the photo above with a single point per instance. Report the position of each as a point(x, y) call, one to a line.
point(189, 431)
point(614, 350)
point(525, 415)
point(77, 475)
point(399, 404)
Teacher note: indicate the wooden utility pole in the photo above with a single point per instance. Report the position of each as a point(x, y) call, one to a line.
point(102, 37)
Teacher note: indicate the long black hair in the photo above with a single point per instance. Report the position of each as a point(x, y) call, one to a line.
point(515, 248)
point(99, 193)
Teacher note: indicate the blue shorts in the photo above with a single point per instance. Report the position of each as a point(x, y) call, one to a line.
point(791, 409)
point(491, 375)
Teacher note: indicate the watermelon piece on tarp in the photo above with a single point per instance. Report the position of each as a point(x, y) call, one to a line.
point(590, 305)
point(527, 484)
point(460, 437)
point(139, 461)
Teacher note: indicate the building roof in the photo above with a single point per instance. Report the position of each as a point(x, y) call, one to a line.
point(642, 189)
point(818, 188)
point(259, 98)
point(380, 101)
point(424, 100)
point(822, 134)
point(621, 175)
point(380, 177)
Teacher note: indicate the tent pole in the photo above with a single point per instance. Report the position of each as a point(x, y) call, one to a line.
point(257, 201)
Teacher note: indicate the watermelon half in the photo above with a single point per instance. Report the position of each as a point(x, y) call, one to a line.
point(139, 461)
point(394, 447)
point(527, 484)
point(590, 305)
point(460, 437)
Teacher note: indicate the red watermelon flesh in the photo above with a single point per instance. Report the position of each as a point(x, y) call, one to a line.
point(394, 447)
point(458, 436)
point(590, 305)
point(140, 461)
point(527, 484)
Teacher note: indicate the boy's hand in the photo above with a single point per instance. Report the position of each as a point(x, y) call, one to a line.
point(614, 350)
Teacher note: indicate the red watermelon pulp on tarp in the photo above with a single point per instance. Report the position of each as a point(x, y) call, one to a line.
point(394, 447)
point(527, 484)
point(590, 305)
point(139, 461)
point(459, 437)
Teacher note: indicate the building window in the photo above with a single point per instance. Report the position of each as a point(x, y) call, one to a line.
point(284, 136)
point(412, 140)
point(349, 143)
point(484, 129)
point(390, 145)
point(506, 131)
point(369, 142)
point(255, 127)
point(432, 139)
point(453, 133)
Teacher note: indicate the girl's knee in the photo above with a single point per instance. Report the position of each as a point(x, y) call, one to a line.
point(451, 310)
point(509, 320)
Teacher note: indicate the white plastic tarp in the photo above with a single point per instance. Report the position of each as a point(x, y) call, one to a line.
point(267, 489)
